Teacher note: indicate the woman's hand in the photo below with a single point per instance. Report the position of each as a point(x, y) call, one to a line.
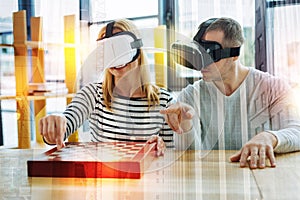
point(160, 144)
point(53, 128)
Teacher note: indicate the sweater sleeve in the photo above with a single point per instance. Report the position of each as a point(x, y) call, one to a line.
point(192, 138)
point(80, 108)
point(284, 116)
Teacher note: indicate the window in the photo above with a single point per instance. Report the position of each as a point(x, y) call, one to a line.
point(283, 47)
point(8, 118)
point(105, 10)
point(285, 28)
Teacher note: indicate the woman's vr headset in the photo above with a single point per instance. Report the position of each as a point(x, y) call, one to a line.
point(118, 49)
point(201, 53)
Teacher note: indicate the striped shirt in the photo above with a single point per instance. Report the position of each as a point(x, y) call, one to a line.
point(130, 119)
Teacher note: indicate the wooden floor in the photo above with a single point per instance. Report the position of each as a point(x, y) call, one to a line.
point(177, 175)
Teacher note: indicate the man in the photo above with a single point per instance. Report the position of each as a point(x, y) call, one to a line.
point(233, 106)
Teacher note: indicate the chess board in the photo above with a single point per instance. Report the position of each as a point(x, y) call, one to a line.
point(94, 160)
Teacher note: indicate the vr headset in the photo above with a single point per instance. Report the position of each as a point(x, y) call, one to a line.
point(201, 53)
point(118, 49)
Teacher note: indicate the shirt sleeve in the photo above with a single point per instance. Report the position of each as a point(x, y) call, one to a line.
point(192, 138)
point(285, 117)
point(167, 133)
point(80, 108)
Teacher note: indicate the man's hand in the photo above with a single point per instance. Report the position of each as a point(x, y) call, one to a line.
point(53, 128)
point(160, 144)
point(256, 151)
point(179, 116)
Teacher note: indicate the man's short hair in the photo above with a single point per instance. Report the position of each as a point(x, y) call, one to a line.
point(233, 33)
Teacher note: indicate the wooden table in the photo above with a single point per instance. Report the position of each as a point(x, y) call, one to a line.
point(177, 175)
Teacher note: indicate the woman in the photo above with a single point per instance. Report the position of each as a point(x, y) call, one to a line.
point(124, 107)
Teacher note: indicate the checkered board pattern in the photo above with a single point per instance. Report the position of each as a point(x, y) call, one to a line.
point(94, 160)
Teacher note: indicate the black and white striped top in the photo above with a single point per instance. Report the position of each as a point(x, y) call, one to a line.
point(129, 120)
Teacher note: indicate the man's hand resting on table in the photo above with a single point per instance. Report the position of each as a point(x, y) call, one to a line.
point(53, 128)
point(256, 151)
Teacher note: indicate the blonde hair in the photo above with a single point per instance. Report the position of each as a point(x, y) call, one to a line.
point(151, 91)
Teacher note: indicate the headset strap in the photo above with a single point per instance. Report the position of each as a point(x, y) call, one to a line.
point(202, 28)
point(109, 29)
point(137, 43)
point(230, 52)
point(227, 52)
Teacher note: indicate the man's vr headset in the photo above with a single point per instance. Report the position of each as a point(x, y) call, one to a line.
point(201, 53)
point(118, 49)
